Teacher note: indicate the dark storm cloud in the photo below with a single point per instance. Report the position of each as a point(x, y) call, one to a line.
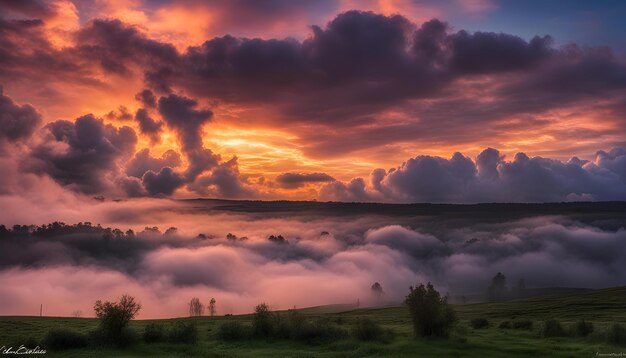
point(16, 122)
point(354, 191)
point(147, 98)
point(488, 52)
point(115, 46)
point(223, 181)
point(180, 114)
point(491, 178)
point(143, 162)
point(83, 154)
point(148, 126)
point(349, 73)
point(30, 8)
point(162, 183)
point(295, 180)
point(358, 59)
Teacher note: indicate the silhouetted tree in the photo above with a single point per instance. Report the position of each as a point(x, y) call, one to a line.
point(431, 313)
point(277, 239)
point(114, 316)
point(196, 308)
point(497, 290)
point(262, 320)
point(377, 292)
point(212, 308)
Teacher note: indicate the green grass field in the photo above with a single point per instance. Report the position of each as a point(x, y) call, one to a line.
point(602, 307)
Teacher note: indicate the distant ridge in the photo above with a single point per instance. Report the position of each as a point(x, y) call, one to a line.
point(504, 209)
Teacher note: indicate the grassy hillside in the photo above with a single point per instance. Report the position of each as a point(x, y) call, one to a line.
point(602, 307)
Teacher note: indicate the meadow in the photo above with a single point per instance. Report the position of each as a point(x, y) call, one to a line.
point(601, 307)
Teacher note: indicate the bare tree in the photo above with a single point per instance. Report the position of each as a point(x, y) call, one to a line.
point(196, 308)
point(77, 313)
point(212, 308)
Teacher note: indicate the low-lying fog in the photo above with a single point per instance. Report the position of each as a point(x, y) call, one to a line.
point(323, 259)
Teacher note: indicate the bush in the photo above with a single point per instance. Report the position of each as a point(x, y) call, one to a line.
point(262, 321)
point(297, 327)
point(505, 325)
point(366, 329)
point(431, 313)
point(154, 332)
point(60, 339)
point(232, 331)
point(183, 332)
point(522, 324)
point(478, 323)
point(114, 317)
point(552, 328)
point(315, 331)
point(582, 328)
point(616, 334)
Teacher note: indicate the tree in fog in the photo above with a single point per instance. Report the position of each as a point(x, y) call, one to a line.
point(431, 313)
point(196, 308)
point(212, 308)
point(497, 290)
point(377, 292)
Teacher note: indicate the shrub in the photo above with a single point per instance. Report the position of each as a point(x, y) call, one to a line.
point(522, 324)
point(582, 328)
point(262, 321)
point(60, 339)
point(478, 323)
point(183, 332)
point(233, 330)
point(295, 326)
point(315, 331)
point(154, 332)
point(505, 325)
point(431, 313)
point(366, 329)
point(552, 328)
point(616, 334)
point(114, 317)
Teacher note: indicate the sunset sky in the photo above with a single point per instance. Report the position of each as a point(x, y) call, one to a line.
point(343, 100)
point(109, 108)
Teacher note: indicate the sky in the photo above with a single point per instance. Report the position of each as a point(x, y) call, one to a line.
point(388, 101)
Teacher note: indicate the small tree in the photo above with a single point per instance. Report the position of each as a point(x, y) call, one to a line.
point(212, 308)
point(377, 292)
point(431, 313)
point(114, 316)
point(497, 289)
point(196, 308)
point(262, 321)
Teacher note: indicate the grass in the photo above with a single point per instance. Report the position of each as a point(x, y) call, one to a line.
point(602, 307)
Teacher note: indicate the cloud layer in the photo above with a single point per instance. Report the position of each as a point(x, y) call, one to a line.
point(491, 178)
point(330, 259)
